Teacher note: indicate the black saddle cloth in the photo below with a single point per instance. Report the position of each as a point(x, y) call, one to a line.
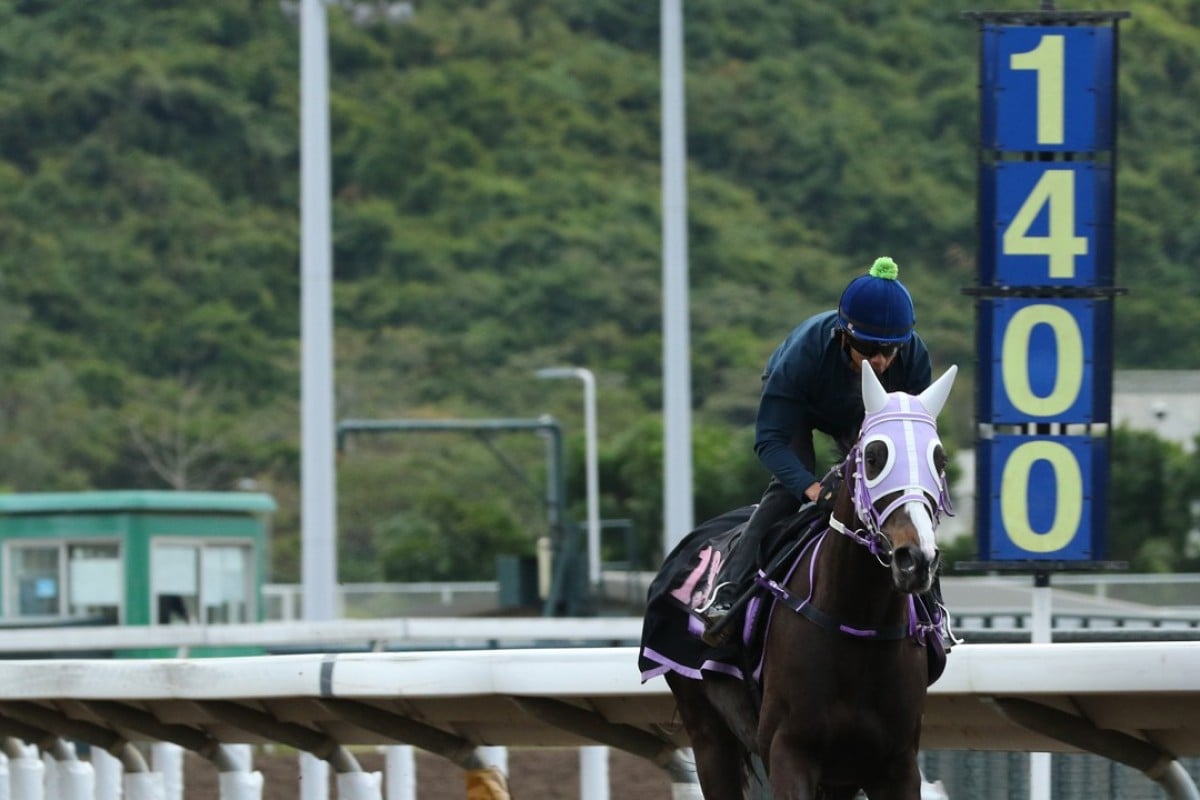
point(685, 583)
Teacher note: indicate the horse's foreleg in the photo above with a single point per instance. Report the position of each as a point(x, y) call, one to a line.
point(838, 793)
point(901, 782)
point(793, 775)
point(720, 757)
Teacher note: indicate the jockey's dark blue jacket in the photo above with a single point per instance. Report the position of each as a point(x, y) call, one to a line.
point(809, 385)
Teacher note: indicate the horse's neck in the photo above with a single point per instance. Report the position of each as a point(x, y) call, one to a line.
point(851, 585)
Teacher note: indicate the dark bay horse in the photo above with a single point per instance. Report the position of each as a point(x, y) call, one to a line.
point(845, 665)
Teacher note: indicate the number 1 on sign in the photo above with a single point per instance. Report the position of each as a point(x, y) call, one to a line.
point(1047, 61)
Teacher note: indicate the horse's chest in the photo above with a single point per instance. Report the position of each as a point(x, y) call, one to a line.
point(849, 740)
point(846, 710)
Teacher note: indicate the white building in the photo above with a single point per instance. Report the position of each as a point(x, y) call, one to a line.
point(1166, 402)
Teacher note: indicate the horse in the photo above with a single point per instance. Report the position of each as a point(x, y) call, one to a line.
point(842, 682)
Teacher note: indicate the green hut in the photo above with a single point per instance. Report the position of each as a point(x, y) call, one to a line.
point(133, 557)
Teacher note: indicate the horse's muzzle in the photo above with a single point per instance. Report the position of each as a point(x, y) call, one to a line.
point(912, 571)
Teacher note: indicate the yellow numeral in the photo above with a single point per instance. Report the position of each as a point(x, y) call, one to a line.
point(1014, 360)
point(1014, 497)
point(1056, 190)
point(1047, 60)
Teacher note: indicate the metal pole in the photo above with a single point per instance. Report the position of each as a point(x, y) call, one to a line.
point(1177, 783)
point(1041, 623)
point(593, 474)
point(677, 380)
point(593, 468)
point(318, 518)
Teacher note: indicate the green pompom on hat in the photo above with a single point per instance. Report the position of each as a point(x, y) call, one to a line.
point(884, 268)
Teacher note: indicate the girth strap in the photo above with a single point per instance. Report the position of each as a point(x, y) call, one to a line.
point(815, 615)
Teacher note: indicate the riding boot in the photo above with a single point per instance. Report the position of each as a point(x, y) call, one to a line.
point(733, 581)
point(736, 577)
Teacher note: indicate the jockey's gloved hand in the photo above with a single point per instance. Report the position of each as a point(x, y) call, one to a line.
point(830, 485)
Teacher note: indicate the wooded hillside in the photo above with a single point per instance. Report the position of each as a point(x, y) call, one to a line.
point(497, 210)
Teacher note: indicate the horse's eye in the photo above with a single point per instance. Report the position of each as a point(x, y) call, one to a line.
point(939, 459)
point(875, 455)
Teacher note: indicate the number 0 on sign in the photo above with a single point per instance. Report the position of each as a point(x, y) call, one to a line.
point(1041, 356)
point(1043, 503)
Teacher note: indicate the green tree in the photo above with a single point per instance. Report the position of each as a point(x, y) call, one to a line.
point(447, 538)
point(1149, 502)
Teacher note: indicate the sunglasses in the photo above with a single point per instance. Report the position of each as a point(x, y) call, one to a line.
point(872, 349)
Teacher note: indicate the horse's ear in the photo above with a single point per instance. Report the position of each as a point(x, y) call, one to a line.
point(935, 396)
point(874, 395)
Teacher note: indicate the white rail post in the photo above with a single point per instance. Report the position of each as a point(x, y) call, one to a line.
point(314, 778)
point(28, 776)
point(145, 786)
point(593, 773)
point(50, 776)
point(5, 793)
point(240, 782)
point(360, 786)
point(400, 764)
point(67, 778)
point(76, 780)
point(490, 780)
point(240, 785)
point(109, 773)
point(167, 759)
point(494, 757)
point(243, 754)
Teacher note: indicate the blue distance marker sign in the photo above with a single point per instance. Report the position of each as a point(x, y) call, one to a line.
point(1046, 223)
point(1047, 88)
point(1044, 490)
point(1046, 267)
point(1049, 360)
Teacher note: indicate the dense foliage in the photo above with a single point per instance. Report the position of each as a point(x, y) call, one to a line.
point(496, 183)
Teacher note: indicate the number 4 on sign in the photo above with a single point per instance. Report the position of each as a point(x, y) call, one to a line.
point(1055, 190)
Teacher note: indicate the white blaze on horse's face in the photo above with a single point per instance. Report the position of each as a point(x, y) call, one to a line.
point(901, 457)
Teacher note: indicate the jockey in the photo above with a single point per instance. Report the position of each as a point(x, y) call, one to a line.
point(812, 383)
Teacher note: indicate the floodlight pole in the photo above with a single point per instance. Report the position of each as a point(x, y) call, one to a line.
point(318, 491)
point(678, 506)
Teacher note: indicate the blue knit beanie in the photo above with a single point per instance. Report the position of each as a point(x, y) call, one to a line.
point(876, 307)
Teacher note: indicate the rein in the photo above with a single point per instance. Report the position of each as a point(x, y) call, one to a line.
point(875, 541)
point(805, 608)
point(914, 628)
